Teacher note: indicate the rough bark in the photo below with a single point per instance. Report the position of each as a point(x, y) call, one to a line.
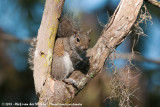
point(114, 33)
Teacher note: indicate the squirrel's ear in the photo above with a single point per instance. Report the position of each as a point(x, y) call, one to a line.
point(88, 32)
point(75, 31)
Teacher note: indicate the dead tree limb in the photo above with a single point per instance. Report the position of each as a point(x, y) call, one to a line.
point(114, 33)
point(131, 56)
point(154, 2)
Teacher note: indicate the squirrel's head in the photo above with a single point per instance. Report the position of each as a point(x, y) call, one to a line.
point(82, 40)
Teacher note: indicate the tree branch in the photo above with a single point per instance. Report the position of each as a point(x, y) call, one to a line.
point(113, 34)
point(7, 37)
point(154, 2)
point(44, 51)
point(134, 56)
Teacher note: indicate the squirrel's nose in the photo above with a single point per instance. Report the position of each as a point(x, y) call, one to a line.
point(84, 47)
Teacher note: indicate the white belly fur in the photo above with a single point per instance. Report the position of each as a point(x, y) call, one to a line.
point(67, 63)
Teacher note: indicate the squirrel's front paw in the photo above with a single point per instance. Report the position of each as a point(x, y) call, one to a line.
point(80, 59)
point(71, 81)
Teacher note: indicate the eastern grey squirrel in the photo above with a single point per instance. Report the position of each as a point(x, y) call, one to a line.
point(69, 44)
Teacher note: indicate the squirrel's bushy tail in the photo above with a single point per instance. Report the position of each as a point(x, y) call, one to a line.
point(31, 53)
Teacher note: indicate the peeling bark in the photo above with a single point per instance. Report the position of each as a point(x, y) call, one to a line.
point(114, 33)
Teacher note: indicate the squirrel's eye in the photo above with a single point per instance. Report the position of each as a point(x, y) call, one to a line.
point(77, 40)
point(89, 40)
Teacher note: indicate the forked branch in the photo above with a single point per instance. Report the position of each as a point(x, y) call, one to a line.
point(114, 33)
